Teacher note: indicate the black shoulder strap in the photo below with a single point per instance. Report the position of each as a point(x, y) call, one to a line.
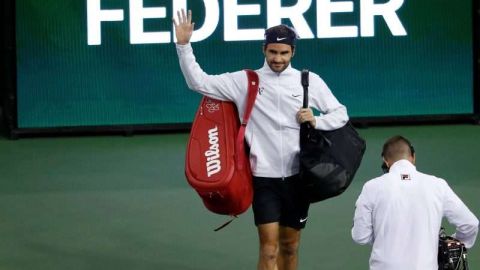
point(305, 87)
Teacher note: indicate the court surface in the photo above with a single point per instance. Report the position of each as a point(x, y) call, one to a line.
point(115, 202)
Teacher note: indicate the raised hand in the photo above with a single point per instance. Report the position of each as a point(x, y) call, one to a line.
point(184, 27)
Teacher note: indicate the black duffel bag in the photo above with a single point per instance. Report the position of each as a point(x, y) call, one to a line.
point(328, 159)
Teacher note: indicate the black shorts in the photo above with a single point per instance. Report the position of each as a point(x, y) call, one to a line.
point(279, 200)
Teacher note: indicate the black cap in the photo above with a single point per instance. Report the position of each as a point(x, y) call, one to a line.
point(281, 34)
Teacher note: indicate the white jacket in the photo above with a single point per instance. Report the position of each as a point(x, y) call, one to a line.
point(400, 213)
point(272, 131)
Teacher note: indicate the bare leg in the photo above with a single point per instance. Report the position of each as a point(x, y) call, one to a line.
point(288, 250)
point(268, 235)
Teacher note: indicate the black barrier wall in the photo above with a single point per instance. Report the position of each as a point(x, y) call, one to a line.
point(476, 59)
point(8, 69)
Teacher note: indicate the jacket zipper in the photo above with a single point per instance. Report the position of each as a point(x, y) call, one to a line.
point(280, 128)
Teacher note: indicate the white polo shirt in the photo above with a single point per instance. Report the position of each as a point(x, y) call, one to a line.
point(272, 131)
point(400, 213)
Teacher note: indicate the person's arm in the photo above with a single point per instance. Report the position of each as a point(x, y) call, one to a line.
point(458, 214)
point(362, 230)
point(224, 87)
point(334, 114)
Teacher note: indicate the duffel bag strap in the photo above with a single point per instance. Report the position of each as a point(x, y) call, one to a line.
point(305, 87)
point(252, 95)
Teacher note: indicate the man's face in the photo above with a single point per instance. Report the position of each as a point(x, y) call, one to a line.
point(278, 56)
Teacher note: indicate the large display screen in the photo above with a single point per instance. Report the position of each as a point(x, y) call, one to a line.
point(113, 62)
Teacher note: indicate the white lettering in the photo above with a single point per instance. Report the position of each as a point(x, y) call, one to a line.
point(213, 167)
point(368, 11)
point(137, 15)
point(276, 12)
point(212, 16)
point(232, 10)
point(325, 8)
point(95, 17)
point(213, 153)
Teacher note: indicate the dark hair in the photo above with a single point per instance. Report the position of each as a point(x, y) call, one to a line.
point(280, 34)
point(394, 148)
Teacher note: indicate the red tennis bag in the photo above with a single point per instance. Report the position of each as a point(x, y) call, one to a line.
point(217, 165)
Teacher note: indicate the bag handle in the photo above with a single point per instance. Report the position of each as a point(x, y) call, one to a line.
point(305, 127)
point(305, 84)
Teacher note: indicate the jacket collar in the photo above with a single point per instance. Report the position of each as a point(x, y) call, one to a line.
point(402, 165)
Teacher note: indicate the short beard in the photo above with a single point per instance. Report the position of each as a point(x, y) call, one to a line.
point(284, 67)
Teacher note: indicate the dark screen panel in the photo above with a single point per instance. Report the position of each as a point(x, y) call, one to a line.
point(132, 76)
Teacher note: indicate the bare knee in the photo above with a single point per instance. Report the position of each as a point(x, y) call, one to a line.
point(289, 248)
point(269, 252)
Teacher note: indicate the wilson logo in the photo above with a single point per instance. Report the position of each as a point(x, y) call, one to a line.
point(213, 153)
